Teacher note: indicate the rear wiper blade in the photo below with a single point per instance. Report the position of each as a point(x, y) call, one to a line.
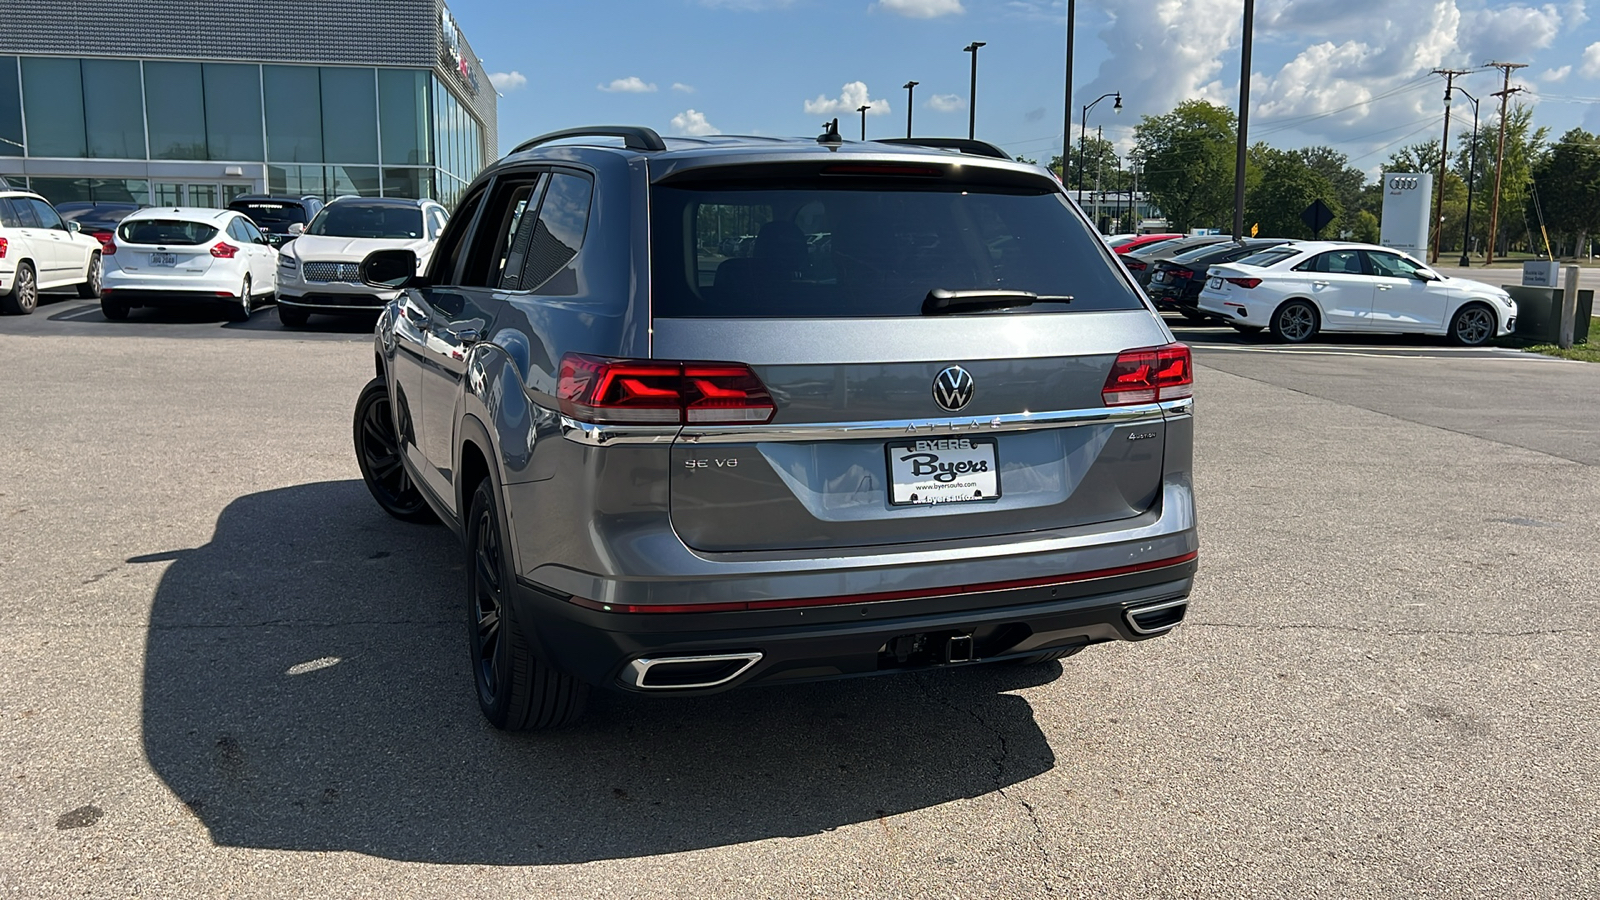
point(940, 301)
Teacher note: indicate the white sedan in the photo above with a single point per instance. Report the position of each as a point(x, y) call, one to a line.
point(1300, 289)
point(184, 256)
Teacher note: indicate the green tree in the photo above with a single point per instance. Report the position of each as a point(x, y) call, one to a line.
point(1100, 165)
point(1568, 180)
point(1347, 180)
point(1287, 185)
point(1188, 163)
point(1524, 146)
point(1364, 227)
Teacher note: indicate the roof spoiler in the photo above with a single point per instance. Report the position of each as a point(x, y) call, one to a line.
point(961, 145)
point(634, 137)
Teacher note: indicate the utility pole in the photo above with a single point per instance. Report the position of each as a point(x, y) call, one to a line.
point(1066, 103)
point(1500, 155)
point(972, 96)
point(911, 89)
point(1444, 155)
point(1244, 118)
point(863, 111)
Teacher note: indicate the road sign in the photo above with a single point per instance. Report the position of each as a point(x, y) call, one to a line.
point(1255, 229)
point(1317, 216)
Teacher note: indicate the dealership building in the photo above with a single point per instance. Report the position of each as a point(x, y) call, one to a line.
point(194, 102)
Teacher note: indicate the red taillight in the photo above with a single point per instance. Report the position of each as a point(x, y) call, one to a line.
point(108, 244)
point(1149, 374)
point(1181, 273)
point(1136, 265)
point(1243, 282)
point(615, 391)
point(224, 250)
point(3, 245)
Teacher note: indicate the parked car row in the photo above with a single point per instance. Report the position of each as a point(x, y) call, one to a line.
point(130, 256)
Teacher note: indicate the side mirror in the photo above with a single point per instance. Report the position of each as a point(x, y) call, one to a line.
point(391, 269)
point(74, 227)
point(297, 229)
point(1427, 275)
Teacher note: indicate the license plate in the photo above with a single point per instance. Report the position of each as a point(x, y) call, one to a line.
point(1215, 282)
point(163, 259)
point(1159, 276)
point(942, 470)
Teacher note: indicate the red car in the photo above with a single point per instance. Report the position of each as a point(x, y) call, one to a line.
point(1124, 245)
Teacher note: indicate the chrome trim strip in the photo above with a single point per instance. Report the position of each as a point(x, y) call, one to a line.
point(634, 672)
point(907, 428)
point(1158, 607)
point(591, 435)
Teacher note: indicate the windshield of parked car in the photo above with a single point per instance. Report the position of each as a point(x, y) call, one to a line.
point(868, 248)
point(1269, 257)
point(368, 220)
point(270, 214)
point(175, 232)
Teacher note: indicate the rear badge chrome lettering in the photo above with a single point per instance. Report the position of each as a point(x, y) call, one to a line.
point(1142, 436)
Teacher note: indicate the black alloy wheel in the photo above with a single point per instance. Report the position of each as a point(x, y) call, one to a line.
point(90, 288)
point(378, 453)
point(516, 690)
point(24, 296)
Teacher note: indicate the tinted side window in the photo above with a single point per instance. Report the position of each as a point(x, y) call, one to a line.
point(236, 231)
point(563, 219)
point(24, 210)
point(46, 214)
point(1391, 265)
point(8, 216)
point(1335, 262)
point(453, 246)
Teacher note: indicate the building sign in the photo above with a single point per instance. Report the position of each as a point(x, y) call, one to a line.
point(1407, 202)
point(453, 53)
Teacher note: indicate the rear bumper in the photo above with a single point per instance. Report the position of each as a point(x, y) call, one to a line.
point(848, 640)
point(166, 296)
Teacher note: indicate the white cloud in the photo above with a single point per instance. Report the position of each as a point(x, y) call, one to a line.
point(507, 81)
point(633, 84)
point(693, 122)
point(1510, 32)
point(851, 98)
point(682, 88)
point(922, 9)
point(946, 102)
point(1556, 75)
point(1591, 61)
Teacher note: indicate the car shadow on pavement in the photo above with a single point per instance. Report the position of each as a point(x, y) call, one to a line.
point(306, 688)
point(264, 320)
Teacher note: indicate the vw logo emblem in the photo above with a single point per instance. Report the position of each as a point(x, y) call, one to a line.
point(952, 389)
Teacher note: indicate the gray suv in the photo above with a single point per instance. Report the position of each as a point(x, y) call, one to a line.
point(922, 419)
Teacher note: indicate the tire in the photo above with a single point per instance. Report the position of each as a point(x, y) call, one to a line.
point(1193, 315)
point(292, 316)
point(1050, 655)
point(516, 690)
point(1473, 325)
point(1295, 322)
point(378, 454)
point(240, 311)
point(24, 296)
point(114, 310)
point(90, 289)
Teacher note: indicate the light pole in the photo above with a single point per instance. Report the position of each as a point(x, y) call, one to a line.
point(863, 110)
point(1244, 119)
point(1472, 177)
point(911, 89)
point(1066, 96)
point(972, 95)
point(1083, 136)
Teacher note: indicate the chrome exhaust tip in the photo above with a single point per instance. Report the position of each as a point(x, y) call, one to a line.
point(682, 673)
point(1158, 617)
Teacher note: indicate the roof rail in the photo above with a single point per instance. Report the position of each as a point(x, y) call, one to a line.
point(963, 145)
point(634, 137)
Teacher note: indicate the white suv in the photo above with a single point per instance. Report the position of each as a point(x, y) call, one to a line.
point(39, 251)
point(319, 270)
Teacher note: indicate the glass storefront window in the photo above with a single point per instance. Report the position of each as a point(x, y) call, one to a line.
point(233, 111)
point(119, 190)
point(10, 108)
point(52, 102)
point(403, 115)
point(168, 194)
point(360, 180)
point(294, 114)
point(349, 116)
point(175, 110)
point(296, 181)
point(61, 190)
point(112, 100)
point(413, 184)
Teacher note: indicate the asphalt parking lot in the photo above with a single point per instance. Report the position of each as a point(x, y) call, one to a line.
point(227, 673)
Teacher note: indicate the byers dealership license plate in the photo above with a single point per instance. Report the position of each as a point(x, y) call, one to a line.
point(942, 470)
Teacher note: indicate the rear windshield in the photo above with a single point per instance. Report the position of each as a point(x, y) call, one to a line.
point(809, 248)
point(1205, 252)
point(101, 217)
point(165, 231)
point(270, 214)
point(368, 220)
point(1269, 257)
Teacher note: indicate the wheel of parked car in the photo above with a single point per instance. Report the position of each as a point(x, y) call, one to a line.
point(516, 690)
point(1473, 325)
point(115, 310)
point(378, 454)
point(240, 311)
point(1194, 315)
point(24, 296)
point(292, 317)
point(90, 288)
point(1295, 322)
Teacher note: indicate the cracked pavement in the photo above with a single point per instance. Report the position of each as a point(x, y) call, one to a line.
point(226, 673)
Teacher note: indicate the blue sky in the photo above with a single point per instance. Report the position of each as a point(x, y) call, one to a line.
point(1351, 73)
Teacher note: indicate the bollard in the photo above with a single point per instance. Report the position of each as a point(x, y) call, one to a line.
point(1569, 307)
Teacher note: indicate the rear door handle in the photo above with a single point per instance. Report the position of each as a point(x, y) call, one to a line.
point(1319, 284)
point(1385, 287)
